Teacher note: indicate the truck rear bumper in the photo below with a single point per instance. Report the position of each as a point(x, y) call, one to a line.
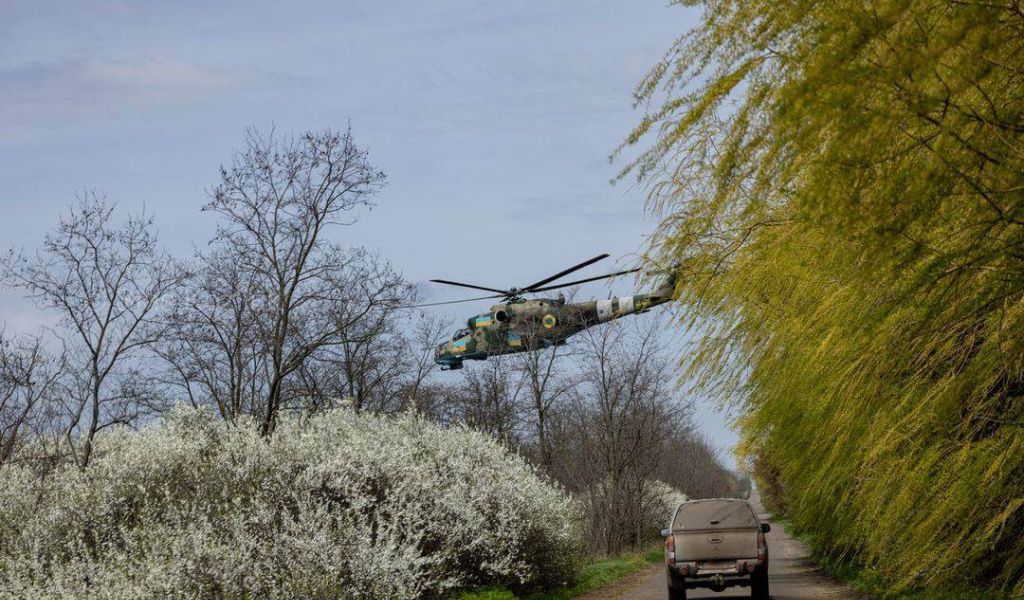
point(714, 576)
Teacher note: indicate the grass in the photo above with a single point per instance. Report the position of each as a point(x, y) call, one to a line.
point(593, 576)
point(868, 582)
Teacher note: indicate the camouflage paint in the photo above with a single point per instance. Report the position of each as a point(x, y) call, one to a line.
point(523, 325)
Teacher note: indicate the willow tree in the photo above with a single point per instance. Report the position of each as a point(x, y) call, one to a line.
point(842, 185)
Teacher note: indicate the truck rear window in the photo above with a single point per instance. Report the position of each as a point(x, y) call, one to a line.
point(715, 514)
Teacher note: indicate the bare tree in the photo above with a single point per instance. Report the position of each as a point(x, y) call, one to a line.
point(213, 347)
point(489, 398)
point(106, 281)
point(367, 363)
point(546, 384)
point(622, 412)
point(278, 198)
point(427, 334)
point(704, 475)
point(28, 378)
point(220, 353)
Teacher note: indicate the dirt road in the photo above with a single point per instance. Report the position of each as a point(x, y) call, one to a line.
point(791, 575)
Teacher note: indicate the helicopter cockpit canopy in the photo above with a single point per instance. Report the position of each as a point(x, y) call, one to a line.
point(461, 333)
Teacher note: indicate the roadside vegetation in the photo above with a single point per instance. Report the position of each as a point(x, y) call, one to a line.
point(335, 505)
point(868, 582)
point(592, 576)
point(842, 187)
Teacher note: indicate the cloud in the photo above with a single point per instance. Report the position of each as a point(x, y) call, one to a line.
point(165, 75)
point(45, 93)
point(571, 208)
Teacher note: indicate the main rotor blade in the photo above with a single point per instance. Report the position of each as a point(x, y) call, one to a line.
point(533, 286)
point(579, 281)
point(475, 287)
point(453, 301)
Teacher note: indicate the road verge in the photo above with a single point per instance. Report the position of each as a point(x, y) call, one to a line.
point(592, 577)
point(865, 581)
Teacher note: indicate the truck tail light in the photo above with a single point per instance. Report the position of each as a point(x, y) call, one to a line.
point(670, 548)
point(751, 567)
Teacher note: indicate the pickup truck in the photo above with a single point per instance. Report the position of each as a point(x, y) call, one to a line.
point(716, 544)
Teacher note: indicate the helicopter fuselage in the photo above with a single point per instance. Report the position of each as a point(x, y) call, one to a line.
point(525, 325)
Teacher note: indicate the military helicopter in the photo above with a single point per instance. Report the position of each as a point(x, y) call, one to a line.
point(517, 324)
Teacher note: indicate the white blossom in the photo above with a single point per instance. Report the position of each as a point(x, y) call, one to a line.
point(341, 505)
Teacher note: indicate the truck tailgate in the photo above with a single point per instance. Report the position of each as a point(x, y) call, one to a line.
point(710, 545)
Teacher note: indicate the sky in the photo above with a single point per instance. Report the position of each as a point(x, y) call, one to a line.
point(493, 120)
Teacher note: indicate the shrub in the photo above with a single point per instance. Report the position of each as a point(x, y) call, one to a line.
point(342, 505)
point(666, 500)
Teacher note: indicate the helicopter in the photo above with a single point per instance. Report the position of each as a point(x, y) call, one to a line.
point(518, 324)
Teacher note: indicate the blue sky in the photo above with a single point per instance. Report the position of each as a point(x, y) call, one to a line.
point(493, 120)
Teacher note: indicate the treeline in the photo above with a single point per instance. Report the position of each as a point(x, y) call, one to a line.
point(601, 416)
point(273, 317)
point(843, 186)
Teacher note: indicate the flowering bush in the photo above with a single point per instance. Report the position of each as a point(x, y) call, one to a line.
point(342, 505)
point(665, 501)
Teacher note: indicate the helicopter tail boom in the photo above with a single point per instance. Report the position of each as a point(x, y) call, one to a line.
point(614, 308)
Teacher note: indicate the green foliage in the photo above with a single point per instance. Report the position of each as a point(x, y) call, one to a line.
point(489, 594)
point(593, 576)
point(868, 582)
point(842, 185)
